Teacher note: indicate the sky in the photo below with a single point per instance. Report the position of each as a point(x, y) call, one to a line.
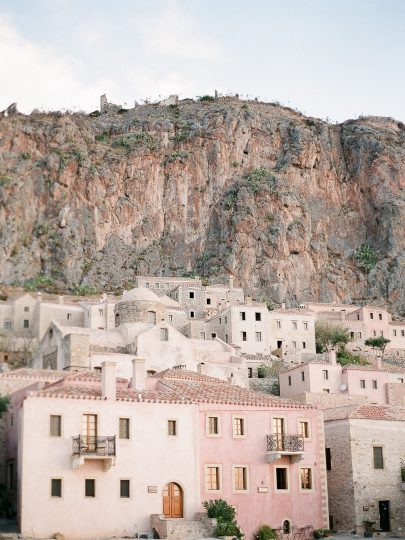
point(333, 59)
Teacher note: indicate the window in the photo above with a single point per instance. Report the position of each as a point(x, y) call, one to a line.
point(8, 324)
point(305, 324)
point(220, 320)
point(208, 301)
point(213, 335)
point(147, 285)
point(89, 487)
point(26, 323)
point(359, 335)
point(295, 325)
point(10, 475)
point(55, 425)
point(212, 478)
point(289, 380)
point(281, 478)
point(226, 320)
point(352, 335)
point(325, 374)
point(250, 373)
point(240, 478)
point(164, 334)
point(125, 489)
point(213, 425)
point(304, 345)
point(242, 315)
point(278, 324)
point(202, 335)
point(101, 312)
point(172, 427)
point(394, 332)
point(243, 336)
point(362, 383)
point(294, 344)
point(191, 314)
point(157, 285)
point(378, 457)
point(306, 478)
point(380, 316)
point(303, 429)
point(328, 459)
point(374, 333)
point(371, 315)
point(286, 526)
point(26, 309)
point(258, 316)
point(374, 385)
point(239, 426)
point(170, 318)
point(124, 425)
point(56, 487)
point(302, 376)
point(402, 333)
point(326, 391)
point(68, 316)
point(400, 380)
point(191, 294)
point(258, 336)
point(381, 333)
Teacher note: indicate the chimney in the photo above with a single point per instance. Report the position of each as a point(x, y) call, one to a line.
point(108, 380)
point(378, 362)
point(282, 305)
point(138, 374)
point(60, 299)
point(332, 357)
point(248, 300)
point(231, 282)
point(39, 297)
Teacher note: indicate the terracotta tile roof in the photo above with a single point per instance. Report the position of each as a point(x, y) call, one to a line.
point(173, 386)
point(385, 369)
point(292, 311)
point(365, 412)
point(35, 374)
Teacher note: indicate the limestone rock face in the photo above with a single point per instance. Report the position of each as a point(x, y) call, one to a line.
point(295, 208)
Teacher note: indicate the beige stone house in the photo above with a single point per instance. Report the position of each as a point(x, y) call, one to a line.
point(365, 449)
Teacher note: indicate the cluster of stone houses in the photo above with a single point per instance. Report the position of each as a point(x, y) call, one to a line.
point(136, 409)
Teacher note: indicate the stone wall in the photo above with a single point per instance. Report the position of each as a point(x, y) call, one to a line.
point(137, 311)
point(76, 351)
point(395, 394)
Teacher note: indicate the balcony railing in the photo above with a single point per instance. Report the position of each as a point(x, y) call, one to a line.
point(84, 445)
point(285, 443)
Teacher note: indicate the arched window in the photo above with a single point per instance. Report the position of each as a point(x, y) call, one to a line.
point(286, 526)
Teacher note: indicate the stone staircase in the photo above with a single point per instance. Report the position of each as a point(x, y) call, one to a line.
point(183, 529)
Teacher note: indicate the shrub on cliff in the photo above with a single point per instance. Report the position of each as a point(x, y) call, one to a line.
point(366, 258)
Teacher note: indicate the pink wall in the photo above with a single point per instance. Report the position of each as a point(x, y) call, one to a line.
point(254, 508)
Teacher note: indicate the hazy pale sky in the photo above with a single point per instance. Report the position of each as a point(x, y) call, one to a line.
point(328, 58)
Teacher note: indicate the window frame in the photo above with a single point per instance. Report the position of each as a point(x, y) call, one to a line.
point(60, 426)
point(129, 488)
point(129, 423)
point(282, 490)
point(207, 425)
point(95, 488)
point(240, 466)
point(375, 446)
point(302, 489)
point(308, 422)
point(60, 479)
point(244, 424)
point(176, 427)
point(219, 467)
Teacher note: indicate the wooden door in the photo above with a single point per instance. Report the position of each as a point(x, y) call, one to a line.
point(278, 431)
point(173, 501)
point(89, 432)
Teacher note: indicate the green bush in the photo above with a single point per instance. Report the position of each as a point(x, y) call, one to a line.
point(84, 290)
point(40, 281)
point(266, 533)
point(102, 137)
point(321, 533)
point(128, 141)
point(366, 258)
point(345, 357)
point(206, 98)
point(260, 179)
point(25, 155)
point(5, 180)
point(219, 509)
point(177, 155)
point(227, 528)
point(261, 372)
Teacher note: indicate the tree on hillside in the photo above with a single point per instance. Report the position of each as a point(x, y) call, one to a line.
point(4, 402)
point(379, 342)
point(328, 336)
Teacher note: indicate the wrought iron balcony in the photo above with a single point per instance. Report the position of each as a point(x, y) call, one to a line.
point(89, 446)
point(284, 445)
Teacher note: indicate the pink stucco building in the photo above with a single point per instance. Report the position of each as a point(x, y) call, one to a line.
point(129, 457)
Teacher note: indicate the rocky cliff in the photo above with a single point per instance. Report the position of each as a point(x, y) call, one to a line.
point(294, 207)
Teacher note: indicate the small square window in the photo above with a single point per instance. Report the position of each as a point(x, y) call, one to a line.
point(374, 385)
point(374, 333)
point(394, 332)
point(295, 325)
point(192, 314)
point(89, 487)
point(289, 380)
point(258, 316)
point(303, 427)
point(258, 336)
point(157, 285)
point(250, 373)
point(68, 316)
point(26, 323)
point(325, 374)
point(371, 315)
point(281, 478)
point(125, 489)
point(213, 335)
point(26, 309)
point(362, 383)
point(55, 425)
point(304, 345)
point(400, 380)
point(402, 333)
point(202, 335)
point(294, 344)
point(242, 315)
point(380, 316)
point(326, 391)
point(172, 427)
point(302, 376)
point(56, 487)
point(124, 426)
point(8, 324)
point(191, 294)
point(170, 318)
point(306, 478)
point(101, 312)
point(305, 325)
point(278, 324)
point(208, 301)
point(147, 285)
point(328, 458)
point(243, 336)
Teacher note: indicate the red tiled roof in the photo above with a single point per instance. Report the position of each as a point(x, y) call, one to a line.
point(182, 374)
point(292, 311)
point(365, 412)
point(27, 373)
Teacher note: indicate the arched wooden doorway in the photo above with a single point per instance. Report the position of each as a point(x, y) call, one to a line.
point(173, 501)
